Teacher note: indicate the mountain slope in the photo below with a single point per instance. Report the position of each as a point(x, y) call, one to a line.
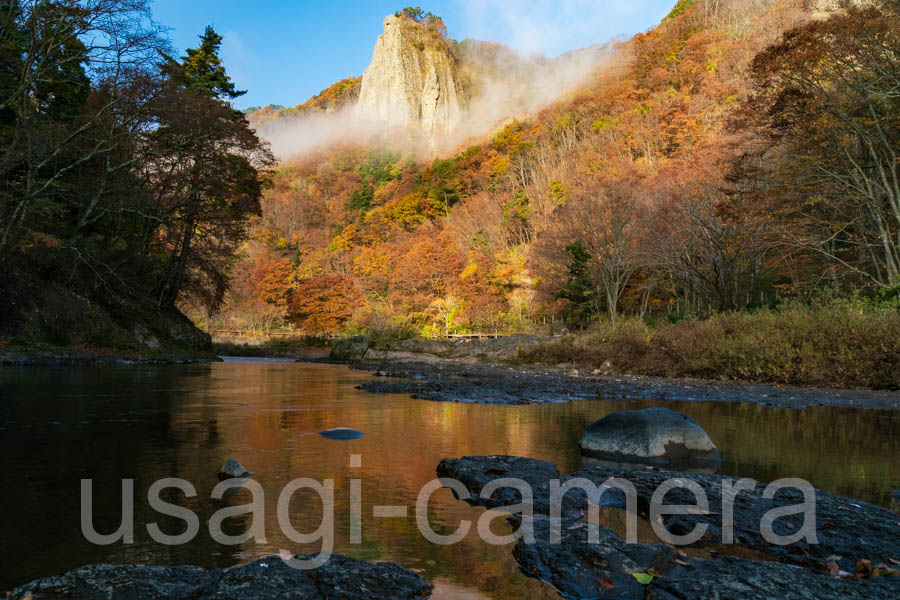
point(623, 196)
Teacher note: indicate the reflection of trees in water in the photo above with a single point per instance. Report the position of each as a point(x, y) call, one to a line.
point(150, 423)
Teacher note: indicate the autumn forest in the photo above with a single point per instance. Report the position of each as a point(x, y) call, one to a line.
point(737, 155)
point(740, 158)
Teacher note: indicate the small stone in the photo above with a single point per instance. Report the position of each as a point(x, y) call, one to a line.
point(341, 433)
point(233, 469)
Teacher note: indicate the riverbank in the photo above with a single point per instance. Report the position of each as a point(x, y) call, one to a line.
point(462, 378)
point(301, 348)
point(54, 356)
point(846, 345)
point(51, 324)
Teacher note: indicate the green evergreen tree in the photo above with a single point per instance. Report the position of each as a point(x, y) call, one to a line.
point(203, 71)
point(579, 290)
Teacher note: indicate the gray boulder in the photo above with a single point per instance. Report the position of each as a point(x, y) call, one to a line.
point(233, 469)
point(350, 349)
point(652, 435)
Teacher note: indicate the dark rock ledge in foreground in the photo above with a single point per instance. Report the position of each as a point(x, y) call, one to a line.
point(269, 578)
point(848, 531)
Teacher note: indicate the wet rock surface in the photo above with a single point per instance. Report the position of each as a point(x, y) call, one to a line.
point(270, 578)
point(117, 582)
point(653, 435)
point(848, 531)
point(580, 568)
point(450, 380)
point(735, 579)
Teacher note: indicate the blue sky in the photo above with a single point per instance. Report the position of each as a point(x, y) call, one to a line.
point(284, 51)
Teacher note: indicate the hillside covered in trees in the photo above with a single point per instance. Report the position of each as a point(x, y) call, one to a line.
point(740, 157)
point(739, 154)
point(126, 177)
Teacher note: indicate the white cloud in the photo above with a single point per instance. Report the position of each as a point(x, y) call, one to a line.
point(552, 27)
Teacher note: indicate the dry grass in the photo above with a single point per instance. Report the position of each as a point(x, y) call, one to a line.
point(839, 345)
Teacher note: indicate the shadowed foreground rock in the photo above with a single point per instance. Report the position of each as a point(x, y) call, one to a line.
point(269, 578)
point(848, 531)
point(577, 568)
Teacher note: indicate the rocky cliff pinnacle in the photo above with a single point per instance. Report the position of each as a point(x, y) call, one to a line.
point(412, 80)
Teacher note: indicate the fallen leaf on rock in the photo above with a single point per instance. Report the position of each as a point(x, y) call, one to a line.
point(882, 570)
point(643, 578)
point(863, 568)
point(683, 563)
point(606, 583)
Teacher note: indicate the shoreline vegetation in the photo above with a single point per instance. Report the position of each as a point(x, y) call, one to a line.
point(840, 344)
point(849, 344)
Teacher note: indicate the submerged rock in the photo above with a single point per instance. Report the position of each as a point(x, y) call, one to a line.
point(652, 435)
point(232, 469)
point(269, 578)
point(341, 433)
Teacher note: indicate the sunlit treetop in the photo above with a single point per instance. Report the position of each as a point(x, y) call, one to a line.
point(204, 70)
point(417, 14)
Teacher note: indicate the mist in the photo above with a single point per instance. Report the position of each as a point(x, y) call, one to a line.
point(499, 84)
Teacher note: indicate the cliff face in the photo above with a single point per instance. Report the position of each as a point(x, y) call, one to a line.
point(412, 79)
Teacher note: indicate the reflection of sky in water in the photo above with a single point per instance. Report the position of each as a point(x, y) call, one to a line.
point(145, 423)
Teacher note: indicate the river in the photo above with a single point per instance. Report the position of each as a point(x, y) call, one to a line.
point(62, 425)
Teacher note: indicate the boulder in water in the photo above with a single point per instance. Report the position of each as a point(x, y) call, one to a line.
point(341, 433)
point(233, 469)
point(651, 435)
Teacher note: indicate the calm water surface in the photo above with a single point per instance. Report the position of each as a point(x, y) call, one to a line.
point(60, 425)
